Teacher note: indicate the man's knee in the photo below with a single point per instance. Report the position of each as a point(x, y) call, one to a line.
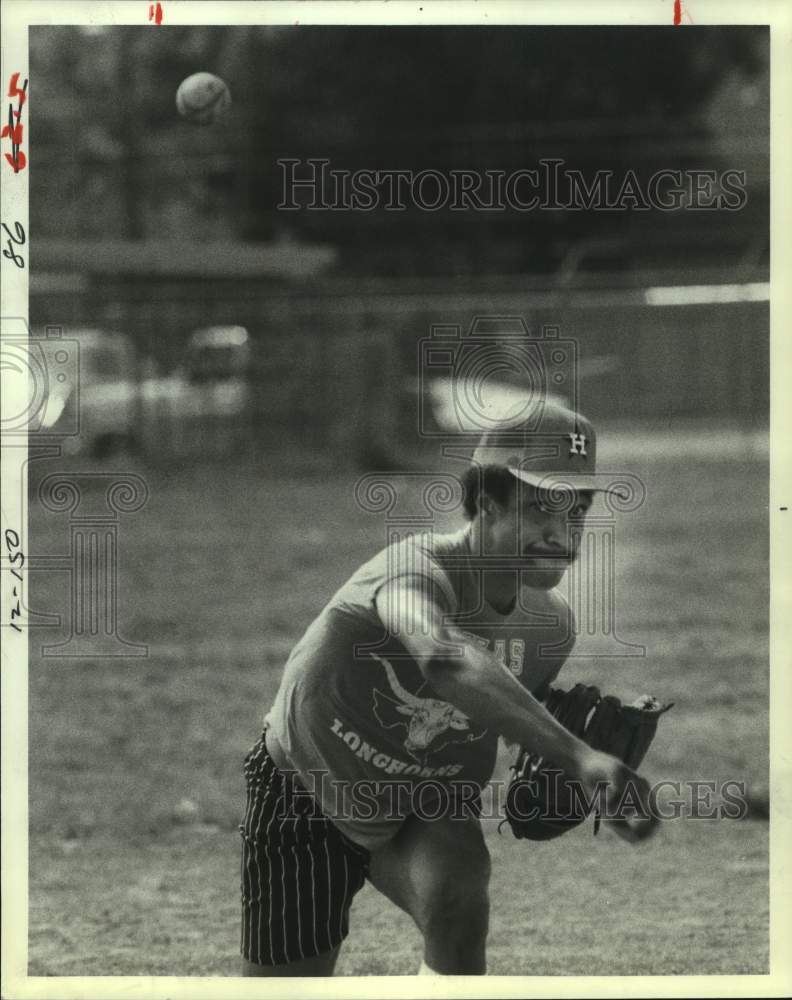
point(439, 874)
point(456, 901)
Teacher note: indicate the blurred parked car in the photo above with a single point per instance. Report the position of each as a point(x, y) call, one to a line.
point(124, 403)
point(218, 353)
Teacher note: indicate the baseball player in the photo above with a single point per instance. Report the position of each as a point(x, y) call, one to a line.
point(386, 723)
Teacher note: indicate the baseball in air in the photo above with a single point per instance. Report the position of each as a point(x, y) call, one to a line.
point(203, 98)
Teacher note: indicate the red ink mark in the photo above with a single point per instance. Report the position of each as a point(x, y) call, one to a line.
point(677, 11)
point(17, 160)
point(14, 91)
point(155, 13)
point(13, 130)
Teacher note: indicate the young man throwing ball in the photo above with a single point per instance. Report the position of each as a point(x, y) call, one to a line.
point(390, 709)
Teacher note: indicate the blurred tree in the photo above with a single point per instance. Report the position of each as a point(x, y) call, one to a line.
point(110, 156)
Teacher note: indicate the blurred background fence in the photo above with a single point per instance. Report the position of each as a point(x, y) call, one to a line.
point(338, 370)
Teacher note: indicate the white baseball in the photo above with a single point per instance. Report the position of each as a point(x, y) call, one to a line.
point(203, 98)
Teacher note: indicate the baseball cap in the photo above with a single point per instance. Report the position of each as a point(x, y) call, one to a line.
point(554, 448)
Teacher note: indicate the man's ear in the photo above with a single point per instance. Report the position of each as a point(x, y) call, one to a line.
point(488, 505)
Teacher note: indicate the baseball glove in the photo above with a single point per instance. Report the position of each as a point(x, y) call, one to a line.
point(540, 803)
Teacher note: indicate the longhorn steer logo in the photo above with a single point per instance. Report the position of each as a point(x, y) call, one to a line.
point(425, 719)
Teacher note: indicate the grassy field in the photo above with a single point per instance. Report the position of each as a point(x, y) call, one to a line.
point(135, 765)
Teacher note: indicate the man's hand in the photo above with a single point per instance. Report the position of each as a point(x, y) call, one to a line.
point(627, 810)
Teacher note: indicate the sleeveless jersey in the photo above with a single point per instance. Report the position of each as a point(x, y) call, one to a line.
point(356, 719)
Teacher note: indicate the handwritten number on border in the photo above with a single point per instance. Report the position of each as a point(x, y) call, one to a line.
point(17, 237)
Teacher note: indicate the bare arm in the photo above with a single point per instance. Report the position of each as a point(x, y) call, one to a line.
point(479, 684)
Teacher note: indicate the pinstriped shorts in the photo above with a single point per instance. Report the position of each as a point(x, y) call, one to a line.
point(299, 872)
